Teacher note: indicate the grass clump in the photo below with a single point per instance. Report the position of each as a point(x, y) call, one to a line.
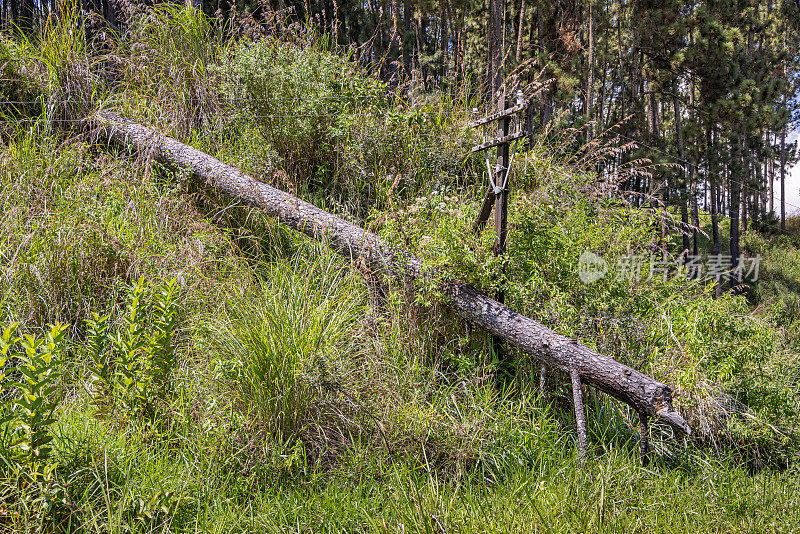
point(52, 72)
point(164, 60)
point(283, 344)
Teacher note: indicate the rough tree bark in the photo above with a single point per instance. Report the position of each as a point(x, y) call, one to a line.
point(641, 392)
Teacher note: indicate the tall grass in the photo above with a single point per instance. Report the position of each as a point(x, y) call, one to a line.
point(120, 480)
point(52, 73)
point(283, 342)
point(164, 60)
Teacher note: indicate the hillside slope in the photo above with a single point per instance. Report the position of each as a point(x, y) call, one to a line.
point(217, 372)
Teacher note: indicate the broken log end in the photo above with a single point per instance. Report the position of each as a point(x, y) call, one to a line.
point(668, 415)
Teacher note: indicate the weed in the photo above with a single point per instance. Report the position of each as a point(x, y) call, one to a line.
point(29, 379)
point(132, 363)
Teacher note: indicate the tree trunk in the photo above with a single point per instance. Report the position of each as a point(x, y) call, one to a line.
point(746, 204)
point(641, 392)
point(695, 211)
point(693, 176)
point(736, 191)
point(419, 30)
point(783, 176)
point(495, 47)
point(684, 200)
point(712, 179)
point(693, 180)
point(590, 77)
point(408, 35)
point(13, 15)
point(26, 13)
point(770, 177)
point(445, 22)
point(520, 30)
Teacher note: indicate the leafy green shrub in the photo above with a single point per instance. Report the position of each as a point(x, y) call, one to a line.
point(336, 131)
point(437, 227)
point(30, 368)
point(302, 97)
point(131, 363)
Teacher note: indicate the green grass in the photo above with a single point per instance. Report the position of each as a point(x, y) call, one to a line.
point(124, 476)
point(287, 341)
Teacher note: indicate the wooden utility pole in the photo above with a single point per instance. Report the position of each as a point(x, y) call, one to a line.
point(497, 196)
point(501, 227)
point(504, 139)
point(501, 181)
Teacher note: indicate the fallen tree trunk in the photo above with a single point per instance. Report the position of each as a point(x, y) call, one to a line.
point(643, 393)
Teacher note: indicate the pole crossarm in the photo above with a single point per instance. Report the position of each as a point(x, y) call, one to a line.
point(499, 141)
point(499, 115)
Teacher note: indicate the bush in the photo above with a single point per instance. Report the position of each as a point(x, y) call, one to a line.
point(339, 135)
point(303, 99)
